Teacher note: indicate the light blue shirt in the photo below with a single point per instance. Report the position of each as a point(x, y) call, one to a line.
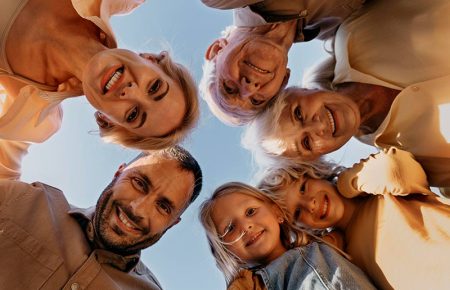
point(315, 266)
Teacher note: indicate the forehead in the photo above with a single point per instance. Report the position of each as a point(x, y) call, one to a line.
point(232, 205)
point(166, 177)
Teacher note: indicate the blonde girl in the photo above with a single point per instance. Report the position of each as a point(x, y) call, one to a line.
point(396, 230)
point(255, 248)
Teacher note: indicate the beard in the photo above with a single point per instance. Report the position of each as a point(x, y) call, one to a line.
point(115, 240)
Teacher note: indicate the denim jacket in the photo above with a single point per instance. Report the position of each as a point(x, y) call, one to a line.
point(315, 266)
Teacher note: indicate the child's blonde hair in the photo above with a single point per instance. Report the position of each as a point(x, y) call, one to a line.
point(226, 261)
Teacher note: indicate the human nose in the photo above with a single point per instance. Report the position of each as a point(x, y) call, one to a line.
point(248, 87)
point(141, 206)
point(316, 125)
point(308, 203)
point(129, 91)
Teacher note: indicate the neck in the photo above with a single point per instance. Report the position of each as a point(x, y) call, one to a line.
point(374, 103)
point(350, 206)
point(282, 33)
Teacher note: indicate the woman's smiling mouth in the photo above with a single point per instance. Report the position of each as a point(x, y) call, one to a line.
point(112, 79)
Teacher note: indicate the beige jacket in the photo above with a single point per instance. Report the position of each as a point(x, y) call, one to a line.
point(406, 51)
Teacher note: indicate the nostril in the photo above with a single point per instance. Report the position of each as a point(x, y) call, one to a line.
point(130, 84)
point(246, 80)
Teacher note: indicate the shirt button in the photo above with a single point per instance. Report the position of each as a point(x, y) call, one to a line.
point(415, 88)
point(303, 13)
point(75, 286)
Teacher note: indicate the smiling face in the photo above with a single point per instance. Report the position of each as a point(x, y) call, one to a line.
point(314, 203)
point(145, 200)
point(316, 122)
point(250, 69)
point(134, 92)
point(249, 227)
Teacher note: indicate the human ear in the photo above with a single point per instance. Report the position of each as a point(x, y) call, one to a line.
point(214, 49)
point(103, 121)
point(174, 223)
point(120, 170)
point(286, 78)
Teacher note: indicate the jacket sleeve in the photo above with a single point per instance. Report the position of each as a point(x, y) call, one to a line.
point(247, 280)
point(391, 171)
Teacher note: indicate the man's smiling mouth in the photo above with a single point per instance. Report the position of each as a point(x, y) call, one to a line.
point(256, 68)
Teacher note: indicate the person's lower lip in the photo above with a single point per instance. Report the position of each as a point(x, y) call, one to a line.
point(255, 238)
point(124, 223)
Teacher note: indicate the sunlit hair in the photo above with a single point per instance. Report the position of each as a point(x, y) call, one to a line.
point(267, 150)
point(226, 261)
point(180, 74)
point(320, 76)
point(209, 90)
point(277, 179)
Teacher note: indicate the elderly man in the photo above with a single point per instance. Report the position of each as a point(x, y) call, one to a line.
point(246, 68)
point(48, 244)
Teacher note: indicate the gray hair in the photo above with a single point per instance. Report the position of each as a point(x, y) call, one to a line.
point(229, 114)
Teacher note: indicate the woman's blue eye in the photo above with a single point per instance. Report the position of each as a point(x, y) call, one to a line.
point(155, 87)
point(133, 115)
point(298, 114)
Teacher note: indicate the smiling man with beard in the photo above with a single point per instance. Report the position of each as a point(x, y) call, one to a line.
point(48, 244)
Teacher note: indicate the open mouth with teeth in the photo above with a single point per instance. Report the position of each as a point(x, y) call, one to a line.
point(331, 121)
point(112, 79)
point(125, 222)
point(256, 68)
point(254, 238)
point(325, 205)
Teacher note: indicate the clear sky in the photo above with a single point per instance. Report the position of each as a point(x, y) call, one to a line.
point(76, 161)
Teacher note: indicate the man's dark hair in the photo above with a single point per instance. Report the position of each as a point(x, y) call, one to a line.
point(185, 160)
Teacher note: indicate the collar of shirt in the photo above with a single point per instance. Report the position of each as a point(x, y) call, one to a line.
point(246, 17)
point(84, 218)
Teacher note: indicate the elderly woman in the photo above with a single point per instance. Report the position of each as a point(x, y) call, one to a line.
point(388, 87)
point(51, 50)
point(395, 229)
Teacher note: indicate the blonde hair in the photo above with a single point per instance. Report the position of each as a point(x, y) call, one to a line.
point(276, 179)
point(226, 261)
point(180, 74)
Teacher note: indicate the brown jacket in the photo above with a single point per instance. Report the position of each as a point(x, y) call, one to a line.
point(246, 280)
point(43, 245)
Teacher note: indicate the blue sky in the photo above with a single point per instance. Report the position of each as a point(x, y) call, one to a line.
point(76, 161)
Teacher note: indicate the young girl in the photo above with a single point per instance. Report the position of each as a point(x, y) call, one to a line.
point(401, 241)
point(246, 229)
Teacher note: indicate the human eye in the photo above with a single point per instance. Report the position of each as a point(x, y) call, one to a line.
point(228, 230)
point(155, 86)
point(164, 207)
point(298, 114)
point(250, 211)
point(229, 89)
point(302, 187)
point(307, 143)
point(256, 102)
point(132, 115)
point(140, 184)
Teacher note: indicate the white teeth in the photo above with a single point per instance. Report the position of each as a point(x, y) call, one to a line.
point(256, 68)
point(325, 208)
point(125, 221)
point(331, 120)
point(115, 77)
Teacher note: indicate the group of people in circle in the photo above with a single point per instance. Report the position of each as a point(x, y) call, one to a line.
point(308, 223)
